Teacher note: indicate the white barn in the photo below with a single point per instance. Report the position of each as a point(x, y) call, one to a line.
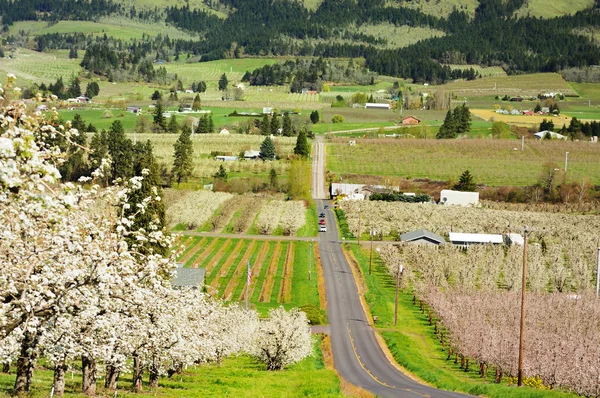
point(372, 105)
point(450, 197)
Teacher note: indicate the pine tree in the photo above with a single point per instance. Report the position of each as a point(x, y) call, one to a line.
point(223, 82)
point(79, 124)
point(287, 125)
point(173, 127)
point(99, 149)
point(267, 149)
point(197, 104)
point(156, 96)
point(448, 128)
point(221, 174)
point(120, 150)
point(183, 156)
point(314, 117)
point(302, 148)
point(265, 127)
point(74, 88)
point(210, 125)
point(273, 179)
point(160, 124)
point(203, 125)
point(92, 90)
point(466, 183)
point(274, 129)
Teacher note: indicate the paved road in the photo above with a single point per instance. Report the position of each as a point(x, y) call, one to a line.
point(357, 355)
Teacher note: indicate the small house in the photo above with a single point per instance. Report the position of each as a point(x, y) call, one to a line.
point(466, 240)
point(459, 198)
point(371, 105)
point(528, 112)
point(189, 91)
point(422, 237)
point(545, 110)
point(134, 109)
point(83, 99)
point(251, 154)
point(410, 120)
point(515, 112)
point(188, 277)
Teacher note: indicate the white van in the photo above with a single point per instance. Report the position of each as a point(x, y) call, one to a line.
point(322, 228)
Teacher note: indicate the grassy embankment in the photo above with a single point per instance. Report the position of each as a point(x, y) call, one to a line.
point(414, 344)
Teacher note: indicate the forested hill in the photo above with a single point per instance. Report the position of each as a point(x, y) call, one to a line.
point(492, 37)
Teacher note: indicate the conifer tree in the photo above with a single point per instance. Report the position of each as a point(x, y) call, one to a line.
point(210, 125)
point(197, 104)
point(287, 125)
point(314, 117)
point(274, 125)
point(120, 150)
point(302, 148)
point(267, 149)
point(265, 127)
point(466, 182)
point(273, 179)
point(173, 127)
point(448, 128)
point(221, 174)
point(223, 82)
point(183, 156)
point(160, 124)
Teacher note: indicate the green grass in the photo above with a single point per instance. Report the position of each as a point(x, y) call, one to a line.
point(304, 290)
point(200, 247)
point(492, 162)
point(555, 8)
point(399, 36)
point(26, 66)
point(237, 377)
point(415, 345)
point(310, 226)
point(439, 7)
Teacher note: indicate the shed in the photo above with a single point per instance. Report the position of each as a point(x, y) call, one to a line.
point(224, 132)
point(226, 158)
point(251, 154)
point(337, 189)
point(450, 197)
point(134, 109)
point(410, 120)
point(463, 239)
point(372, 105)
point(422, 237)
point(188, 277)
point(553, 135)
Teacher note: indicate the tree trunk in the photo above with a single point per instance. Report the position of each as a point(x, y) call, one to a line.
point(499, 374)
point(456, 358)
point(25, 363)
point(466, 364)
point(112, 377)
point(88, 368)
point(138, 373)
point(153, 376)
point(482, 370)
point(6, 367)
point(462, 361)
point(59, 378)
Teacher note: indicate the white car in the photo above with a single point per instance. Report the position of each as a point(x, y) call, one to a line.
point(322, 228)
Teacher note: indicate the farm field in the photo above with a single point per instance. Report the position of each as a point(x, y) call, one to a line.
point(25, 65)
point(520, 120)
point(280, 270)
point(493, 71)
point(236, 376)
point(492, 162)
point(413, 342)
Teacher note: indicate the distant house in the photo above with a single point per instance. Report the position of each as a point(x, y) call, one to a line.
point(516, 99)
point(514, 239)
point(552, 134)
point(515, 112)
point(450, 197)
point(188, 277)
point(42, 107)
point(545, 109)
point(410, 120)
point(83, 99)
point(371, 105)
point(528, 112)
point(224, 132)
point(462, 239)
point(226, 158)
point(134, 109)
point(189, 91)
point(251, 154)
point(422, 237)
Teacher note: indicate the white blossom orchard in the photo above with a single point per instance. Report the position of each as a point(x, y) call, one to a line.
point(77, 280)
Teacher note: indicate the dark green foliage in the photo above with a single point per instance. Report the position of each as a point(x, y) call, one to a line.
point(173, 127)
point(159, 122)
point(314, 117)
point(73, 53)
point(221, 174)
point(74, 88)
point(287, 125)
point(223, 82)
point(199, 87)
point(274, 129)
point(547, 125)
point(466, 183)
point(33, 10)
point(267, 149)
point(265, 126)
point(183, 156)
point(75, 164)
point(197, 104)
point(99, 150)
point(156, 96)
point(273, 184)
point(210, 124)
point(456, 122)
point(399, 197)
point(538, 108)
point(302, 148)
point(315, 315)
point(92, 90)
point(120, 150)
point(343, 223)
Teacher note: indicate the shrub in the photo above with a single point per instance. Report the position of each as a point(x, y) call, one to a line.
point(315, 315)
point(337, 119)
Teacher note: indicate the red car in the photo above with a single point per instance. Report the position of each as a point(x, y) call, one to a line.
point(321, 222)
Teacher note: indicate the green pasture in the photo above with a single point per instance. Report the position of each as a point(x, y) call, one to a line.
point(492, 162)
point(160, 4)
point(414, 344)
point(439, 7)
point(483, 71)
point(239, 376)
point(552, 9)
point(35, 67)
point(225, 261)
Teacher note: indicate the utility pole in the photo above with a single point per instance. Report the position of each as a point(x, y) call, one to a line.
point(566, 160)
point(398, 272)
point(371, 232)
point(598, 274)
point(359, 226)
point(522, 142)
point(522, 332)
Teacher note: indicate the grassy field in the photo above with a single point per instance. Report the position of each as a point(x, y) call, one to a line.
point(117, 27)
point(492, 162)
point(493, 71)
point(552, 9)
point(521, 120)
point(437, 8)
point(26, 66)
point(280, 270)
point(237, 376)
point(414, 344)
point(160, 4)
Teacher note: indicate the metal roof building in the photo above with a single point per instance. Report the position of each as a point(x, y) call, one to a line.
point(462, 239)
point(422, 236)
point(189, 277)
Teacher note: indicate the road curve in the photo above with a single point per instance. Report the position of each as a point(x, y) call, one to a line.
point(357, 356)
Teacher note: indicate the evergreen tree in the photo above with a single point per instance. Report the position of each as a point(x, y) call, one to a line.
point(197, 104)
point(99, 150)
point(173, 127)
point(210, 125)
point(156, 96)
point(202, 86)
point(183, 156)
point(92, 90)
point(265, 127)
point(79, 124)
point(160, 124)
point(203, 125)
point(466, 183)
point(462, 119)
point(91, 128)
point(221, 174)
point(287, 125)
point(74, 88)
point(223, 82)
point(448, 128)
point(274, 129)
point(267, 149)
point(120, 150)
point(273, 179)
point(73, 53)
point(302, 148)
point(547, 125)
point(314, 117)
point(75, 164)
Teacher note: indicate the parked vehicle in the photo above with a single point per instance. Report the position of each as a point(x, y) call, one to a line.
point(322, 228)
point(322, 215)
point(322, 221)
